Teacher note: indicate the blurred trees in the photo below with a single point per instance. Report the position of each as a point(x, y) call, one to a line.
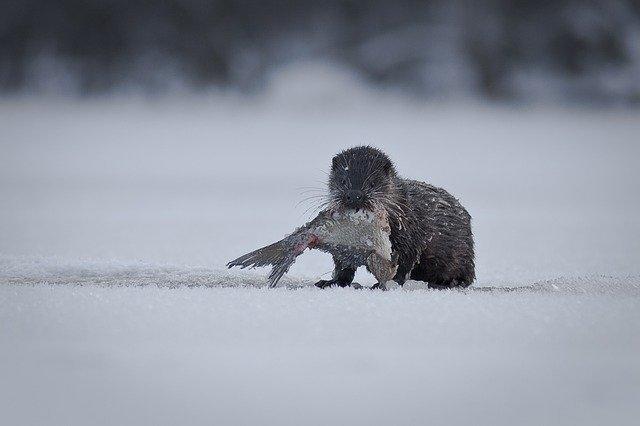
point(502, 49)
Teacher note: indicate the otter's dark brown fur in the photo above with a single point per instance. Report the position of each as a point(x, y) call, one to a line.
point(430, 230)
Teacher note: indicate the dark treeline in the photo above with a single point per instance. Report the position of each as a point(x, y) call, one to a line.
point(504, 49)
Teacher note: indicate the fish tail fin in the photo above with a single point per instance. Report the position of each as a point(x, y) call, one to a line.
point(279, 255)
point(268, 255)
point(279, 269)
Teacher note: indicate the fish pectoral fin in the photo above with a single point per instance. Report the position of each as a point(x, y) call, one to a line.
point(382, 269)
point(374, 256)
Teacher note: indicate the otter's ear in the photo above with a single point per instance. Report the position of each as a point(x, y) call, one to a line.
point(335, 163)
point(388, 168)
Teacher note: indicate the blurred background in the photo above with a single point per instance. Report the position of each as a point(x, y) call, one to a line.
point(516, 50)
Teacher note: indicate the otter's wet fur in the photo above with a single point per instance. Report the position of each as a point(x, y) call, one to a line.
point(430, 230)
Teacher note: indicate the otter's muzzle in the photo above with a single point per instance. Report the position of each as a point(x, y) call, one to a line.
point(353, 199)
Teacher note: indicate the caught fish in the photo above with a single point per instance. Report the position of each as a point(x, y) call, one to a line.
point(355, 237)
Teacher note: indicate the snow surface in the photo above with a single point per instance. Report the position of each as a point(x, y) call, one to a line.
point(117, 217)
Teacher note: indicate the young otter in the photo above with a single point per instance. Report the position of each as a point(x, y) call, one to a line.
point(430, 230)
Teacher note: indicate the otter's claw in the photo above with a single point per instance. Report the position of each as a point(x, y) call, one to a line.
point(377, 286)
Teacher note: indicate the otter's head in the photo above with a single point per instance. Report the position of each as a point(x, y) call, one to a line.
point(361, 177)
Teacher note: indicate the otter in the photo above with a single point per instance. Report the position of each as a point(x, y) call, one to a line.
point(431, 234)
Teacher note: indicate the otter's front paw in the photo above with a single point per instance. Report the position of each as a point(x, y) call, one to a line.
point(324, 283)
point(329, 283)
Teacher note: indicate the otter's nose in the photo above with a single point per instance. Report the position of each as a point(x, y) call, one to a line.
point(354, 198)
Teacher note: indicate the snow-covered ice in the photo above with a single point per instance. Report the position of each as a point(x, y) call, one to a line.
point(118, 216)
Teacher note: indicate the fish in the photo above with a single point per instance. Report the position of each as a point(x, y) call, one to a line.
point(354, 237)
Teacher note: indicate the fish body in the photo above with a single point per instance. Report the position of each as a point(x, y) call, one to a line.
point(354, 237)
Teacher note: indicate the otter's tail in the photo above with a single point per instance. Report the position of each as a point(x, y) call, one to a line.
point(280, 255)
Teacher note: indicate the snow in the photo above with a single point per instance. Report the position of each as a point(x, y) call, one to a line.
point(117, 217)
point(137, 355)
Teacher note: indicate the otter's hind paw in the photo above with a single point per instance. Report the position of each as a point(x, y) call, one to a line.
point(377, 286)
